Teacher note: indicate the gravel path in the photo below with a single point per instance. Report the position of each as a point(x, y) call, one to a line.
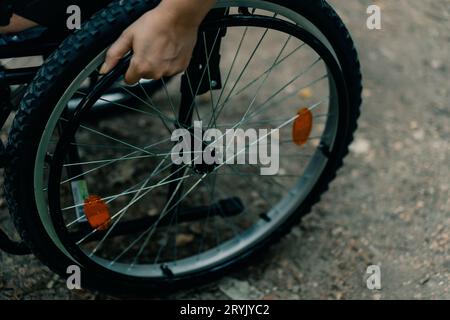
point(390, 204)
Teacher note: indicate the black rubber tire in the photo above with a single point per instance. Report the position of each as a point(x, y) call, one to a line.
point(64, 65)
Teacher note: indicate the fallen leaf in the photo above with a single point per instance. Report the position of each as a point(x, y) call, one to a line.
point(305, 93)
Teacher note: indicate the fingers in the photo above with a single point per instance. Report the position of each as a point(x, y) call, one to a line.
point(116, 52)
point(147, 62)
point(137, 71)
point(142, 69)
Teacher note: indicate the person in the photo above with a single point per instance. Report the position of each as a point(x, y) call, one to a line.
point(162, 40)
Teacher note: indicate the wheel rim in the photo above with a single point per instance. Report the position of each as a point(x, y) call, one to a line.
point(231, 248)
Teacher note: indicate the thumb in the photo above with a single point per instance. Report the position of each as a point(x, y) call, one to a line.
point(116, 52)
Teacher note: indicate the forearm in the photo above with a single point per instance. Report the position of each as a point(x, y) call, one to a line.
point(187, 12)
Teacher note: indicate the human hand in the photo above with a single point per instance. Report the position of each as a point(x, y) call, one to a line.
point(162, 41)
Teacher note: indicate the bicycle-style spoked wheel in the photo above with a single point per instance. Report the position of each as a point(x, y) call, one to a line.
point(110, 196)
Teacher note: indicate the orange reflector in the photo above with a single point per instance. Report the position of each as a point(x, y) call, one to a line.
point(97, 213)
point(302, 126)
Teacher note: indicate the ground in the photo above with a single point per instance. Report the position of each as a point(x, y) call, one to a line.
point(390, 204)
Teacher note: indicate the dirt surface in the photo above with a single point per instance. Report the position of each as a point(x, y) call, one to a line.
point(388, 207)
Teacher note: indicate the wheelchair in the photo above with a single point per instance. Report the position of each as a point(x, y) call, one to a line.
point(88, 173)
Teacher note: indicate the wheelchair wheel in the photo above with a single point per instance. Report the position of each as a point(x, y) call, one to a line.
point(106, 195)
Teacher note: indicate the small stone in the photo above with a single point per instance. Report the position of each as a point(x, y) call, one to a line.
point(296, 289)
point(376, 296)
point(270, 297)
point(398, 146)
point(337, 231)
point(360, 146)
point(436, 64)
point(239, 290)
point(419, 134)
point(196, 228)
point(413, 125)
point(50, 284)
point(184, 239)
point(142, 122)
point(367, 93)
point(424, 279)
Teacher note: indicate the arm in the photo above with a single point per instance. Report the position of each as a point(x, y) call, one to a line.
point(17, 24)
point(162, 40)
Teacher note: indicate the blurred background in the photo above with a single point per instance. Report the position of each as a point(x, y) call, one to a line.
point(389, 205)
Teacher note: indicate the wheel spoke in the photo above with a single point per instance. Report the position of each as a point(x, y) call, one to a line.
point(204, 72)
point(288, 84)
point(127, 192)
point(213, 117)
point(150, 230)
point(270, 69)
point(125, 209)
point(110, 162)
point(221, 106)
point(232, 66)
point(151, 188)
point(261, 85)
point(164, 119)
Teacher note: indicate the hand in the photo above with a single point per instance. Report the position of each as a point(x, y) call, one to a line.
point(162, 41)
